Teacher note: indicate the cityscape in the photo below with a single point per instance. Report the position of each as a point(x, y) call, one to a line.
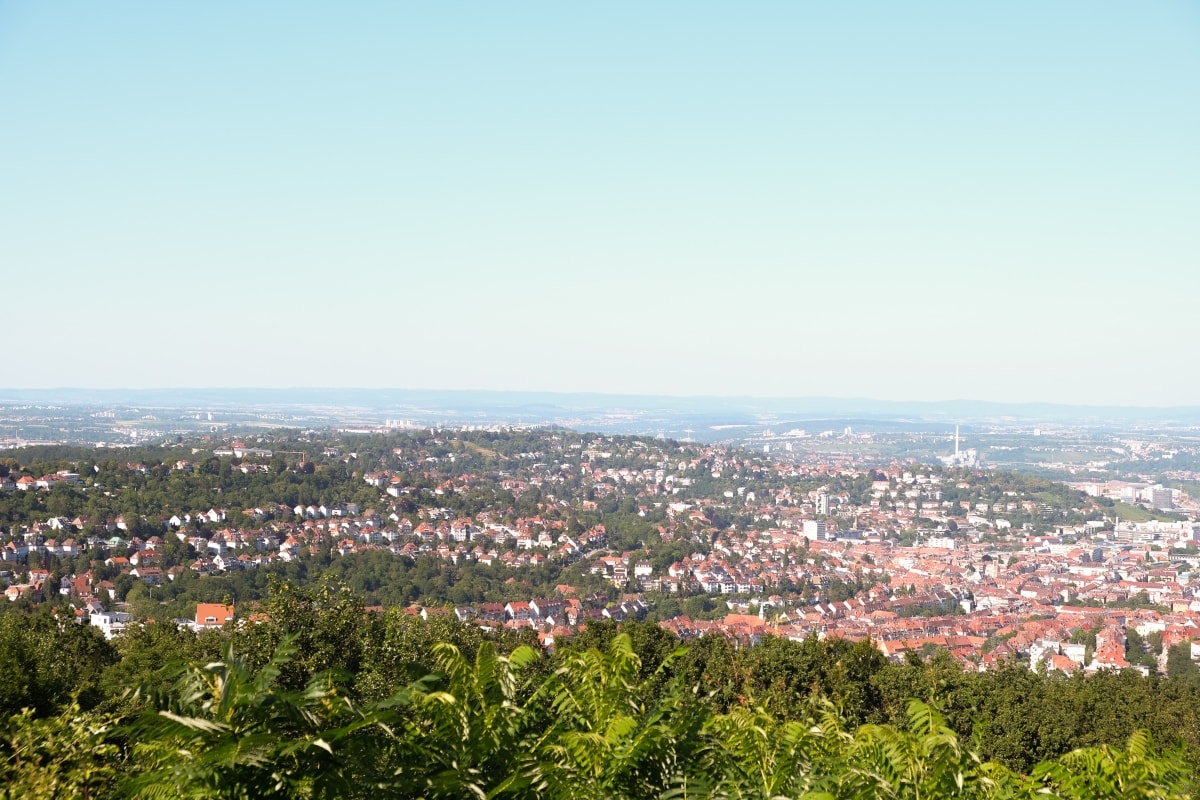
point(625, 401)
point(806, 535)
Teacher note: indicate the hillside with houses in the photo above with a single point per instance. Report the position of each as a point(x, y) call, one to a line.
point(549, 530)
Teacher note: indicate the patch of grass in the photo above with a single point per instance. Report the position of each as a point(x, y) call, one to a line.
point(483, 451)
point(1128, 513)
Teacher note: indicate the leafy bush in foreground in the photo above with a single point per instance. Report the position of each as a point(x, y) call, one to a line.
point(495, 726)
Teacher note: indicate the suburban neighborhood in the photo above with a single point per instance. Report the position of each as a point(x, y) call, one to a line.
point(708, 540)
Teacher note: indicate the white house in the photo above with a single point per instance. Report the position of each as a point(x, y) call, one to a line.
point(111, 623)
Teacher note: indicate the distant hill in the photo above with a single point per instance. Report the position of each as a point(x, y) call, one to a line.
point(552, 406)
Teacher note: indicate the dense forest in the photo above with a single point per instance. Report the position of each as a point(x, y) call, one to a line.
point(323, 698)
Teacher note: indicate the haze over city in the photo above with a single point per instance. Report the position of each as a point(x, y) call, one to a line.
point(897, 201)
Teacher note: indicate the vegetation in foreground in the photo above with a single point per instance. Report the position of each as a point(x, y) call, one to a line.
point(324, 701)
point(494, 727)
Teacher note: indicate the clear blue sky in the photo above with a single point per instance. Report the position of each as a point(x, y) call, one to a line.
point(994, 201)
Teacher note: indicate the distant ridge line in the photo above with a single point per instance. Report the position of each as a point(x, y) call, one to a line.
point(491, 399)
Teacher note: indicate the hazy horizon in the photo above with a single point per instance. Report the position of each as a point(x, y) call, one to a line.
point(305, 394)
point(923, 201)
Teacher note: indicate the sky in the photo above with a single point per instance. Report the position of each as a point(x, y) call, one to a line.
point(901, 201)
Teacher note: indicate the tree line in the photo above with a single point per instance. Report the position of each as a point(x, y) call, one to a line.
point(317, 697)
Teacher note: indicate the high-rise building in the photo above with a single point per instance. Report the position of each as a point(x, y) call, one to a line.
point(1161, 498)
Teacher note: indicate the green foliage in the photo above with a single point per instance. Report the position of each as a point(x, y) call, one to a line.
point(1129, 513)
point(75, 754)
point(926, 760)
point(496, 725)
point(782, 674)
point(227, 731)
point(606, 739)
point(46, 662)
point(399, 646)
point(1139, 651)
point(752, 754)
point(466, 739)
point(1141, 600)
point(324, 624)
point(1180, 665)
point(1106, 773)
point(146, 651)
